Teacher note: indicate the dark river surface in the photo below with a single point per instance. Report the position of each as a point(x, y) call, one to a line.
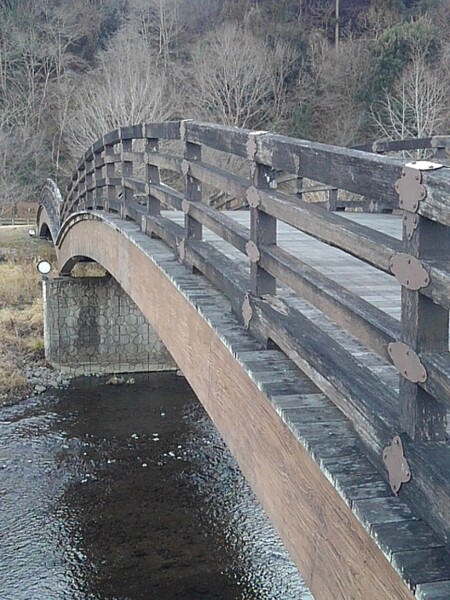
point(126, 493)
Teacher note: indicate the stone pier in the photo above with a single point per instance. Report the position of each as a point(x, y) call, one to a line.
point(91, 326)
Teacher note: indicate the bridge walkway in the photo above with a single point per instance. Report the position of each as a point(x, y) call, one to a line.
point(302, 379)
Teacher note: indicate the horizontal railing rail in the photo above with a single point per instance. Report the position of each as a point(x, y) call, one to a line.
point(124, 172)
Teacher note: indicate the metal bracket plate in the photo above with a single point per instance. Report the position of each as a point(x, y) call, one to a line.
point(252, 251)
point(407, 362)
point(410, 189)
point(423, 165)
point(396, 464)
point(253, 197)
point(247, 312)
point(409, 271)
point(185, 204)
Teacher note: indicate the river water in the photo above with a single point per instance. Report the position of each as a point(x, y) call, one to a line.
point(126, 493)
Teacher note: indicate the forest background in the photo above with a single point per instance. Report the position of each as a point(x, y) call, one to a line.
point(336, 71)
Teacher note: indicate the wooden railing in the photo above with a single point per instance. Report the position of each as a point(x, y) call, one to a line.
point(437, 146)
point(106, 179)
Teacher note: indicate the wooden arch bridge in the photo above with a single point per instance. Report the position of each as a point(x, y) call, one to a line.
point(317, 340)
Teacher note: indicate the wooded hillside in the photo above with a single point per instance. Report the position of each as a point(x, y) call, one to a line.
point(71, 70)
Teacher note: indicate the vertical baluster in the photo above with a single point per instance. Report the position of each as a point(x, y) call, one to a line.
point(192, 190)
point(299, 185)
point(98, 174)
point(111, 193)
point(127, 171)
point(424, 324)
point(263, 227)
point(152, 175)
point(89, 180)
point(82, 202)
point(332, 199)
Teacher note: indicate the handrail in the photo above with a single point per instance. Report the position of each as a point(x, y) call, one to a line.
point(106, 179)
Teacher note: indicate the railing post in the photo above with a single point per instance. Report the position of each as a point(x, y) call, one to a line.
point(82, 200)
point(192, 190)
point(263, 227)
point(98, 162)
point(127, 171)
point(111, 193)
point(152, 176)
point(89, 183)
point(299, 185)
point(424, 324)
point(332, 199)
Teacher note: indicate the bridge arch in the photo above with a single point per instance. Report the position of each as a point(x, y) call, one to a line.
point(50, 206)
point(111, 217)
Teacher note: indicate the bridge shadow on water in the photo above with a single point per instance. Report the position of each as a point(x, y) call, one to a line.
point(144, 499)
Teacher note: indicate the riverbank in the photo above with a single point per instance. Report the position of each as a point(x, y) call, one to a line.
point(22, 364)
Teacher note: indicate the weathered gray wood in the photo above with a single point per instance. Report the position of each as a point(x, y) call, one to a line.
point(370, 325)
point(167, 196)
point(263, 232)
point(235, 185)
point(222, 272)
point(235, 234)
point(437, 365)
point(152, 173)
point(370, 246)
point(127, 165)
point(372, 407)
point(156, 226)
point(396, 145)
point(405, 535)
point(192, 191)
point(424, 328)
point(439, 590)
point(426, 565)
point(227, 139)
point(131, 132)
point(164, 161)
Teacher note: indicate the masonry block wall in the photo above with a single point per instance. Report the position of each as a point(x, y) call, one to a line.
point(92, 326)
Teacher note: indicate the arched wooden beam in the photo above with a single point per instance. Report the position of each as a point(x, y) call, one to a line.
point(334, 552)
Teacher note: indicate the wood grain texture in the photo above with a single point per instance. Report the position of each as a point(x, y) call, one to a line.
point(333, 551)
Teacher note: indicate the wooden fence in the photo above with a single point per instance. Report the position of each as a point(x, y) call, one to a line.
point(418, 345)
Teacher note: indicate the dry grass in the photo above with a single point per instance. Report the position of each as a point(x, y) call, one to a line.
point(21, 316)
point(19, 284)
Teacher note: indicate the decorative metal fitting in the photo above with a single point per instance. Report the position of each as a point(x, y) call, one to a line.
point(396, 464)
point(407, 362)
point(252, 251)
point(252, 145)
point(423, 165)
point(409, 271)
point(253, 197)
point(247, 311)
point(185, 204)
point(185, 166)
point(410, 189)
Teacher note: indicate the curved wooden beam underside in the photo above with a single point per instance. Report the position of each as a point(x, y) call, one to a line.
point(334, 552)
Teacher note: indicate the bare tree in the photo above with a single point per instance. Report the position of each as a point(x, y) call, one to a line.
point(235, 78)
point(418, 106)
point(126, 88)
point(332, 88)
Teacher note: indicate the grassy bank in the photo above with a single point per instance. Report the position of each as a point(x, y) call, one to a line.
point(21, 319)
